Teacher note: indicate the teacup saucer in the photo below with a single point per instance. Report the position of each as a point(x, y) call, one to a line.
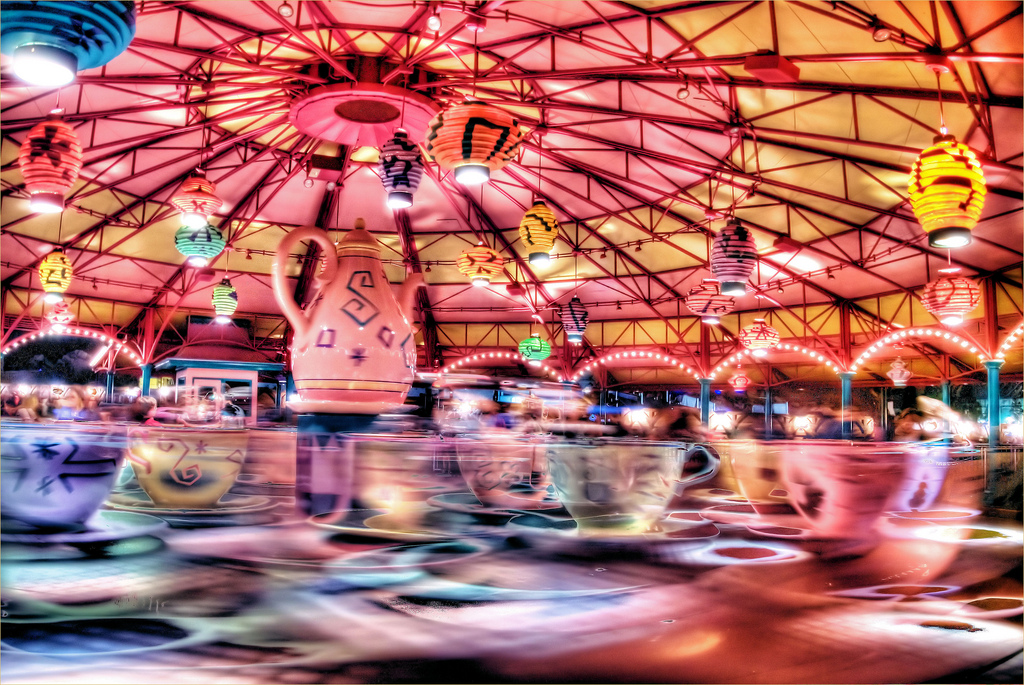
point(668, 530)
point(938, 515)
point(414, 555)
point(103, 526)
point(228, 505)
point(780, 515)
point(376, 523)
point(337, 407)
point(467, 503)
point(731, 552)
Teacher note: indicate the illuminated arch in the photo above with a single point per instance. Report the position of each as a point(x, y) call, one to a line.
point(632, 354)
point(511, 356)
point(126, 347)
point(1010, 339)
point(813, 355)
point(923, 333)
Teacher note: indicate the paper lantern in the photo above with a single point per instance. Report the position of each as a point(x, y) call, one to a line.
point(60, 316)
point(400, 169)
point(759, 338)
point(480, 264)
point(225, 301)
point(947, 192)
point(707, 301)
point(535, 349)
point(200, 245)
point(474, 139)
point(899, 373)
point(740, 382)
point(948, 298)
point(55, 274)
point(538, 230)
point(51, 41)
point(50, 161)
point(196, 201)
point(733, 257)
point(574, 320)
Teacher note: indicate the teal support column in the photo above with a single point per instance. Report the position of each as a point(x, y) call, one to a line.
point(846, 399)
point(110, 384)
point(147, 374)
point(945, 393)
point(767, 413)
point(705, 400)
point(993, 405)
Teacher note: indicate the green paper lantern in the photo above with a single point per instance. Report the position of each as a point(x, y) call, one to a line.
point(225, 301)
point(535, 349)
point(200, 245)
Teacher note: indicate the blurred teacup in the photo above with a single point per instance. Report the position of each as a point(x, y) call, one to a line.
point(504, 472)
point(840, 488)
point(186, 468)
point(615, 487)
point(398, 473)
point(58, 475)
point(927, 464)
point(758, 473)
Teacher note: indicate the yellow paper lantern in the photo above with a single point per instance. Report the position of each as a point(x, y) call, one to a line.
point(474, 139)
point(480, 264)
point(55, 274)
point(538, 230)
point(947, 192)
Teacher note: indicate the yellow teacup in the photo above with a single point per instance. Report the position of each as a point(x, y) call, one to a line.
point(186, 468)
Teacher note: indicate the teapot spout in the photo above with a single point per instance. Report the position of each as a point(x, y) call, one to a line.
point(407, 295)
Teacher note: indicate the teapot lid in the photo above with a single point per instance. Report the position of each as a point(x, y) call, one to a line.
point(359, 237)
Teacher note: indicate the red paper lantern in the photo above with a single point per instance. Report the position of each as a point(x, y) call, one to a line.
point(759, 338)
point(899, 374)
point(948, 298)
point(733, 257)
point(480, 263)
point(474, 139)
point(707, 301)
point(50, 161)
point(740, 382)
point(196, 201)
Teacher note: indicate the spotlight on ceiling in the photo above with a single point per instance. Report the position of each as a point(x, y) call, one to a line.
point(472, 174)
point(683, 92)
point(434, 22)
point(475, 23)
point(285, 10)
point(880, 33)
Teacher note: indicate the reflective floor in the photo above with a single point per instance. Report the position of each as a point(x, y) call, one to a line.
point(420, 580)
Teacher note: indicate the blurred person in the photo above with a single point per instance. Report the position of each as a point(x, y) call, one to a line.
point(75, 406)
point(909, 426)
point(143, 411)
point(16, 408)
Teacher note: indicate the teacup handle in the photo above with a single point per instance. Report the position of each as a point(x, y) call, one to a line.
point(710, 468)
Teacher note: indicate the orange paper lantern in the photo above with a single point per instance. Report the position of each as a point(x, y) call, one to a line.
point(474, 139)
point(196, 201)
point(480, 264)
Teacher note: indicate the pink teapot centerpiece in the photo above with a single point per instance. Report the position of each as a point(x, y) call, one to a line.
point(354, 349)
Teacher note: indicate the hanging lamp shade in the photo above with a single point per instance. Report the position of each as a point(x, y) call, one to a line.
point(898, 373)
point(947, 192)
point(50, 160)
point(55, 274)
point(538, 231)
point(60, 316)
point(474, 139)
point(574, 320)
point(535, 349)
point(949, 298)
point(50, 42)
point(196, 201)
point(480, 264)
point(740, 382)
point(733, 257)
point(759, 338)
point(707, 301)
point(200, 245)
point(400, 169)
point(225, 301)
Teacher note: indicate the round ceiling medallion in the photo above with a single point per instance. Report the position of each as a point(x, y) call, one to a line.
point(360, 114)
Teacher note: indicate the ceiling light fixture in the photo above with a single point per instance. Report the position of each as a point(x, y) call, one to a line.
point(574, 320)
point(55, 273)
point(476, 23)
point(473, 151)
point(733, 257)
point(285, 10)
point(434, 21)
point(400, 169)
point(480, 264)
point(225, 301)
point(50, 160)
point(538, 231)
point(880, 32)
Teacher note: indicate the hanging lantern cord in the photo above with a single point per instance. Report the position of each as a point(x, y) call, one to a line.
point(942, 115)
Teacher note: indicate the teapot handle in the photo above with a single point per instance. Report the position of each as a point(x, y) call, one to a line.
point(296, 317)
